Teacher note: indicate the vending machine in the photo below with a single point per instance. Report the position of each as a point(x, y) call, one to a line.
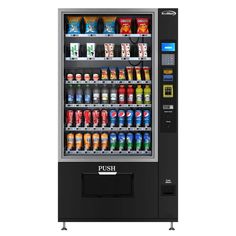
point(118, 123)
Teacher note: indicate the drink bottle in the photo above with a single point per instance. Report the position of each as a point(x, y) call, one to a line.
point(78, 117)
point(129, 117)
point(147, 118)
point(147, 94)
point(87, 141)
point(121, 140)
point(113, 117)
point(70, 141)
point(70, 94)
point(87, 118)
point(113, 95)
point(139, 94)
point(147, 141)
point(96, 94)
point(96, 117)
point(104, 115)
point(129, 141)
point(95, 138)
point(87, 94)
point(104, 141)
point(130, 94)
point(121, 94)
point(138, 118)
point(105, 93)
point(69, 117)
point(78, 141)
point(79, 94)
point(138, 141)
point(121, 118)
point(113, 141)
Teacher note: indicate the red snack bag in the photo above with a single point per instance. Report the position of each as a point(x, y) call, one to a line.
point(142, 24)
point(125, 25)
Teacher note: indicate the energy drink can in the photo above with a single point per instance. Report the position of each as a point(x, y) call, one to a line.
point(70, 141)
point(147, 141)
point(87, 141)
point(78, 141)
point(129, 141)
point(138, 118)
point(113, 141)
point(121, 118)
point(78, 118)
point(95, 138)
point(69, 117)
point(96, 117)
point(113, 117)
point(129, 117)
point(138, 141)
point(147, 118)
point(121, 140)
point(104, 141)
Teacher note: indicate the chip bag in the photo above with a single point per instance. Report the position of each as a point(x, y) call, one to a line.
point(74, 24)
point(142, 24)
point(109, 24)
point(91, 23)
point(104, 73)
point(121, 73)
point(113, 73)
point(125, 25)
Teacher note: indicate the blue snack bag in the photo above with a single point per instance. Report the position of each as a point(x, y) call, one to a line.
point(74, 24)
point(91, 24)
point(109, 24)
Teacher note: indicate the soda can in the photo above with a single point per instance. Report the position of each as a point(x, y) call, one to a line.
point(138, 118)
point(69, 117)
point(129, 117)
point(96, 117)
point(104, 115)
point(96, 140)
point(78, 118)
point(87, 118)
point(121, 141)
point(138, 141)
point(147, 141)
point(147, 118)
point(113, 141)
point(129, 141)
point(104, 141)
point(70, 141)
point(78, 141)
point(87, 141)
point(121, 118)
point(113, 117)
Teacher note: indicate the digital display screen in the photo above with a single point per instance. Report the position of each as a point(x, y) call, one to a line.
point(168, 47)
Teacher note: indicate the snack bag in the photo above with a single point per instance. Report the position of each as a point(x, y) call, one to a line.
point(95, 77)
point(138, 73)
point(109, 24)
point(113, 73)
point(130, 72)
point(146, 70)
point(109, 49)
point(142, 50)
point(86, 77)
point(104, 73)
point(142, 24)
point(74, 24)
point(121, 73)
point(125, 50)
point(125, 25)
point(91, 50)
point(91, 23)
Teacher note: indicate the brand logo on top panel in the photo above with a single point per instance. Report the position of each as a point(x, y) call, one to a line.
point(168, 13)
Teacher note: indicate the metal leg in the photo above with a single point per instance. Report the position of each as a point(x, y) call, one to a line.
point(64, 226)
point(171, 226)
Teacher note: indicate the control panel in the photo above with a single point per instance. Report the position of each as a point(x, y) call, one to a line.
point(168, 85)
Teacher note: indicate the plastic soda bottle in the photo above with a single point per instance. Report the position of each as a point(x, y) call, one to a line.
point(147, 141)
point(87, 141)
point(113, 95)
point(70, 141)
point(78, 141)
point(104, 141)
point(129, 141)
point(138, 141)
point(121, 140)
point(130, 94)
point(147, 94)
point(113, 141)
point(104, 92)
point(139, 94)
point(121, 94)
point(79, 94)
point(87, 94)
point(70, 94)
point(95, 138)
point(96, 94)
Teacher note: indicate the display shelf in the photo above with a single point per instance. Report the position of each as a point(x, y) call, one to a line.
point(108, 152)
point(108, 129)
point(107, 105)
point(108, 59)
point(108, 35)
point(108, 82)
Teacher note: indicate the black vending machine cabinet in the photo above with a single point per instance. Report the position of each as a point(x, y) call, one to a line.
point(118, 115)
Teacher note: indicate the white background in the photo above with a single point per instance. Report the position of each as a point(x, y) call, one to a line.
point(207, 129)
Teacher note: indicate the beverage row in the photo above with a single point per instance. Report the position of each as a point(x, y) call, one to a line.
point(141, 73)
point(89, 94)
point(120, 141)
point(107, 50)
point(112, 118)
point(106, 25)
